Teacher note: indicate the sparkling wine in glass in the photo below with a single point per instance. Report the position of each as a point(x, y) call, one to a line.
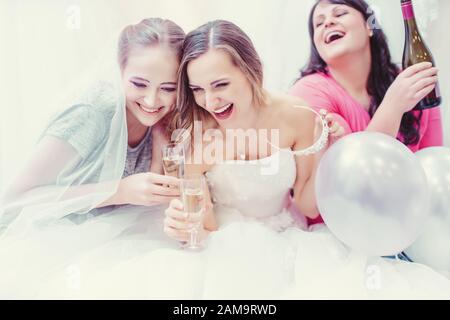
point(173, 160)
point(193, 191)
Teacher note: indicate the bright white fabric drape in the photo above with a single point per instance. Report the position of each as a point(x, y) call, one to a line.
point(48, 47)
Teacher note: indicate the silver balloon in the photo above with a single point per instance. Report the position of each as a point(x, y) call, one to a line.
point(372, 193)
point(433, 246)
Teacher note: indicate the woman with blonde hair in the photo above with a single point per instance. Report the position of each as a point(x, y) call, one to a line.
point(100, 154)
point(110, 134)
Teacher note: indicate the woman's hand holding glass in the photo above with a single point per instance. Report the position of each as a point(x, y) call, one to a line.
point(184, 219)
point(147, 189)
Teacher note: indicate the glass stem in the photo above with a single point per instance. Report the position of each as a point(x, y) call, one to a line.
point(194, 235)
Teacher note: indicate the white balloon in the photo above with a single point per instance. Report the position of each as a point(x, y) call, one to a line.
point(433, 246)
point(372, 193)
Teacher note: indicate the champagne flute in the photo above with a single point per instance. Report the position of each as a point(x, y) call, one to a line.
point(192, 189)
point(173, 159)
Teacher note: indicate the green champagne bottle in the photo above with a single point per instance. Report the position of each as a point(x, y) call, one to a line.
point(416, 51)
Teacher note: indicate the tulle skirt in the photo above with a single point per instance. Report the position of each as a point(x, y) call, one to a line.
point(125, 255)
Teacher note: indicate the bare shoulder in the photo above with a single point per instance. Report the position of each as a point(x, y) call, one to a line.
point(293, 111)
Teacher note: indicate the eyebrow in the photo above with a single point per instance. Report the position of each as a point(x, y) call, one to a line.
point(138, 78)
point(145, 80)
point(212, 83)
point(336, 7)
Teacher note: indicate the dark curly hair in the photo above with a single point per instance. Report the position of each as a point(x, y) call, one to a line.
point(382, 72)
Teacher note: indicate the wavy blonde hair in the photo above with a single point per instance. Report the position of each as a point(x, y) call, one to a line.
point(150, 32)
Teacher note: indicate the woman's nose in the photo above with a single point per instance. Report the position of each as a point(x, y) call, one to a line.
point(329, 22)
point(150, 99)
point(210, 101)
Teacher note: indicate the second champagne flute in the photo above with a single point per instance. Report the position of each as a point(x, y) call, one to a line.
point(173, 160)
point(192, 194)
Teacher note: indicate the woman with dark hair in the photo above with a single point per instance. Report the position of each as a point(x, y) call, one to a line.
point(350, 74)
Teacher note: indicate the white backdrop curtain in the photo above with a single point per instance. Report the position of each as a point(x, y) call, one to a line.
point(49, 46)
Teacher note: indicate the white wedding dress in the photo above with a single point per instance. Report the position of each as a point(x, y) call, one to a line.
point(262, 250)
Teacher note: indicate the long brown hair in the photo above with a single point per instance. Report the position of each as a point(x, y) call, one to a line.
point(220, 35)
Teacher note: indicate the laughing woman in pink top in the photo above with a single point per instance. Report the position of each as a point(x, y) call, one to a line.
point(350, 74)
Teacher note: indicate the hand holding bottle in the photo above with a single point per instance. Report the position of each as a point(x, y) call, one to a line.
point(411, 86)
point(416, 51)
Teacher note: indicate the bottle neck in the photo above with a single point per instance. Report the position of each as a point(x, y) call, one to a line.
point(408, 10)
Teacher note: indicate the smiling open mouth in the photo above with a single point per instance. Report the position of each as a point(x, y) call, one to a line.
point(149, 110)
point(334, 36)
point(224, 112)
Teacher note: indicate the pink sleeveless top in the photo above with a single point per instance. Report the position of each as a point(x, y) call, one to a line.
point(321, 91)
